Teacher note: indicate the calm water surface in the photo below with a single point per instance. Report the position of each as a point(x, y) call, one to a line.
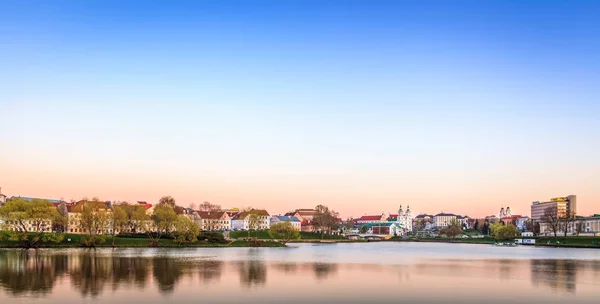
point(305, 273)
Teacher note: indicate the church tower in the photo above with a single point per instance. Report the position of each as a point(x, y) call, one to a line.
point(408, 215)
point(400, 213)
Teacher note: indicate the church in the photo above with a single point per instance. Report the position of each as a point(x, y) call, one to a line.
point(393, 224)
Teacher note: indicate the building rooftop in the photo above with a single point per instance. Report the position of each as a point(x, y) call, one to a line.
point(445, 214)
point(284, 218)
point(370, 218)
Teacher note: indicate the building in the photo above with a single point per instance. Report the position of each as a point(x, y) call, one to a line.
point(296, 223)
point(392, 225)
point(213, 220)
point(423, 222)
point(464, 221)
point(591, 225)
point(584, 226)
point(563, 205)
point(372, 219)
point(442, 219)
point(76, 225)
point(242, 220)
point(306, 218)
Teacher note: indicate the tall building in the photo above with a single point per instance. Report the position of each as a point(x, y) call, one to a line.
point(563, 205)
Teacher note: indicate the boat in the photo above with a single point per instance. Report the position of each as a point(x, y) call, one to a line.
point(507, 244)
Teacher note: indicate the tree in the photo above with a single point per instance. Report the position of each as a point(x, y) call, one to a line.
point(253, 221)
point(551, 219)
point(347, 225)
point(364, 229)
point(29, 222)
point(453, 229)
point(420, 225)
point(94, 217)
point(186, 231)
point(61, 222)
point(206, 206)
point(568, 222)
point(160, 223)
point(284, 232)
point(118, 221)
point(325, 219)
point(579, 227)
point(136, 217)
point(167, 201)
point(504, 232)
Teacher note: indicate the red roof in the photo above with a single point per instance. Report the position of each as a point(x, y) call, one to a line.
point(148, 206)
point(370, 218)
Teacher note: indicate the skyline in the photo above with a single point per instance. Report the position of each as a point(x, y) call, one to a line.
point(465, 107)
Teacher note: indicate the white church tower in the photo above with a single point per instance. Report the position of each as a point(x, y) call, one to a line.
point(404, 220)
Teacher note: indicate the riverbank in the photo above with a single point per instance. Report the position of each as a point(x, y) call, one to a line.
point(75, 241)
point(556, 242)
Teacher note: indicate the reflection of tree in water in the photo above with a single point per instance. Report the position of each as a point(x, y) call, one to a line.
point(252, 273)
point(287, 267)
point(210, 270)
point(323, 270)
point(129, 271)
point(167, 271)
point(90, 272)
point(559, 275)
point(26, 272)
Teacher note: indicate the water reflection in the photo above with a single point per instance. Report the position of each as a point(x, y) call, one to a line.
point(559, 275)
point(92, 273)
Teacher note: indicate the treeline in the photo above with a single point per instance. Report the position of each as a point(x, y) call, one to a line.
point(31, 223)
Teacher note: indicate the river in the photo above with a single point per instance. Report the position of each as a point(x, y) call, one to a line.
point(383, 272)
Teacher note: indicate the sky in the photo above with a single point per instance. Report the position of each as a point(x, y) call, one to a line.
point(446, 106)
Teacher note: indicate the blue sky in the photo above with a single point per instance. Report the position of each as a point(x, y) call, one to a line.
point(469, 105)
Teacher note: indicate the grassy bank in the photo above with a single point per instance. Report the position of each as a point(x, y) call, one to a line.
point(75, 240)
point(569, 241)
point(264, 235)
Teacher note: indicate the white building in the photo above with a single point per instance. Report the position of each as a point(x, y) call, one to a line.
point(442, 219)
point(296, 223)
point(241, 221)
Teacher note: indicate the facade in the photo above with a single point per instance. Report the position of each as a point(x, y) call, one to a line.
point(242, 220)
point(296, 223)
point(305, 216)
point(464, 221)
point(587, 226)
point(442, 219)
point(393, 225)
point(75, 221)
point(562, 205)
point(213, 220)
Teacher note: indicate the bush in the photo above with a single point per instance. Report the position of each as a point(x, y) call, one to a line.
point(212, 237)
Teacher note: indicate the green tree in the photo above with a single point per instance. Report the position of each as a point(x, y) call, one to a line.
point(29, 222)
point(161, 222)
point(284, 232)
point(253, 222)
point(94, 220)
point(136, 217)
point(364, 229)
point(186, 231)
point(504, 232)
point(118, 221)
point(168, 201)
point(61, 221)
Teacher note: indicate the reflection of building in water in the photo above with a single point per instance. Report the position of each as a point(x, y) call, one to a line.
point(559, 275)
